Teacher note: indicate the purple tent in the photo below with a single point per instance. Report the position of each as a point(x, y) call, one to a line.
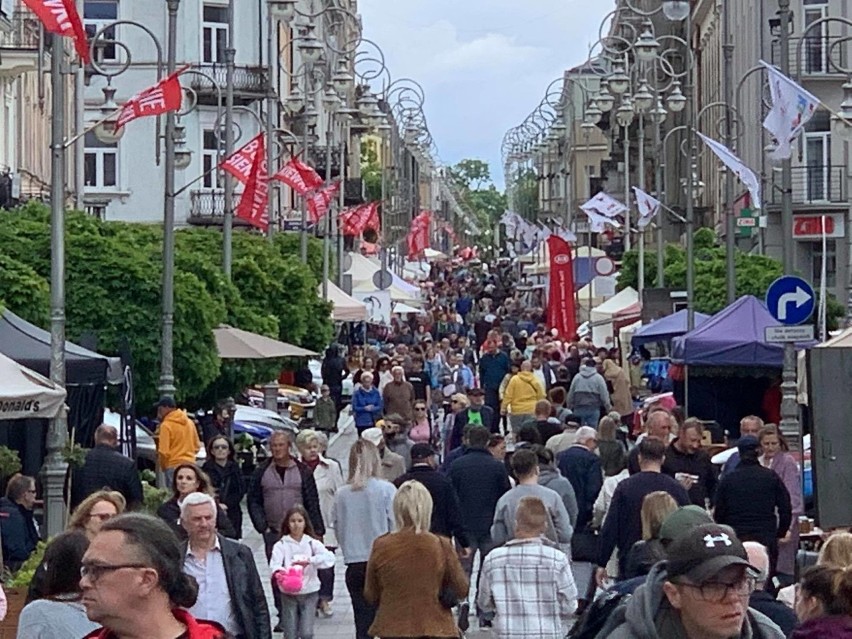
point(732, 337)
point(666, 328)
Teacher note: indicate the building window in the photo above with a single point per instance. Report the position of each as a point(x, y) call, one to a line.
point(96, 15)
point(101, 166)
point(210, 159)
point(215, 33)
point(830, 263)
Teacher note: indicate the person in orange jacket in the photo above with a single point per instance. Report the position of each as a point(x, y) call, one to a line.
point(177, 441)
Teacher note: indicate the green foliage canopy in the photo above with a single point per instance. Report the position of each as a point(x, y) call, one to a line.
point(754, 274)
point(114, 274)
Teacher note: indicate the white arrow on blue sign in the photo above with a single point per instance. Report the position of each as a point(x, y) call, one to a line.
point(790, 300)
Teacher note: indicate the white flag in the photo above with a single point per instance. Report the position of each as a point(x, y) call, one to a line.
point(648, 207)
point(792, 107)
point(598, 222)
point(510, 221)
point(745, 174)
point(605, 205)
point(543, 233)
point(565, 234)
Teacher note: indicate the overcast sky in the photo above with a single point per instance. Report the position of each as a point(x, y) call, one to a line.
point(484, 64)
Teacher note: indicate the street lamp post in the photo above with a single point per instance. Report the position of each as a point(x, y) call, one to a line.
point(167, 375)
point(57, 435)
point(228, 213)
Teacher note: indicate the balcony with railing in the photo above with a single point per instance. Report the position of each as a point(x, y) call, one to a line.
point(207, 208)
point(20, 47)
point(250, 83)
point(812, 185)
point(818, 55)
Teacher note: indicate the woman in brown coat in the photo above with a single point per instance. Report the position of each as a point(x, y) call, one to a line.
point(408, 570)
point(622, 400)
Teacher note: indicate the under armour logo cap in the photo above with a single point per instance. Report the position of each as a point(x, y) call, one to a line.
point(703, 552)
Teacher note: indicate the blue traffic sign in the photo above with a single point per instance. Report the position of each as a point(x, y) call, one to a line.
point(790, 299)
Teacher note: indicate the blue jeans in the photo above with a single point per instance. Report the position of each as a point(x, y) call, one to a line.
point(483, 543)
point(588, 416)
point(297, 612)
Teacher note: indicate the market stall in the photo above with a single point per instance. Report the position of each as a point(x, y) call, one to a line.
point(732, 370)
point(603, 316)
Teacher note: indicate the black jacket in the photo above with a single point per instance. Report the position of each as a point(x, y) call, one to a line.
point(18, 531)
point(479, 481)
point(583, 469)
point(695, 464)
point(105, 467)
point(446, 518)
point(228, 481)
point(245, 587)
point(310, 499)
point(169, 512)
point(462, 419)
point(747, 500)
point(333, 368)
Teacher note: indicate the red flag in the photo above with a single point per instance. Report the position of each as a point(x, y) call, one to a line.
point(561, 314)
point(61, 17)
point(299, 176)
point(241, 163)
point(165, 96)
point(418, 236)
point(319, 200)
point(252, 206)
point(355, 220)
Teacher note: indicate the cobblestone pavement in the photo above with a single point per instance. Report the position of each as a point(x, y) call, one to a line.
point(342, 623)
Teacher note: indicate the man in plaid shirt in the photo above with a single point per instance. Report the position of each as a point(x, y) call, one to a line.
point(528, 583)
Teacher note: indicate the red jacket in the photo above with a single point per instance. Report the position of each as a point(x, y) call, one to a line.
point(194, 629)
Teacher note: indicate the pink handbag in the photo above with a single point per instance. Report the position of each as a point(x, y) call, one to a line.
point(290, 580)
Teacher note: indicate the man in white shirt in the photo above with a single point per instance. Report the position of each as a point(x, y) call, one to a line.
point(229, 588)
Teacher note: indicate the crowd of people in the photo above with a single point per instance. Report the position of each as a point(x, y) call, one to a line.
point(501, 473)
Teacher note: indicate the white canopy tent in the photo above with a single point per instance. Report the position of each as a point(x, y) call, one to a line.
point(362, 271)
point(345, 307)
point(24, 394)
point(607, 311)
point(431, 255)
point(401, 308)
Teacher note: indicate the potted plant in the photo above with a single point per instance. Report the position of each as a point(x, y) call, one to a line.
point(16, 586)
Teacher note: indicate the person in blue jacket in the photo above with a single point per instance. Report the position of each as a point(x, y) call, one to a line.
point(366, 403)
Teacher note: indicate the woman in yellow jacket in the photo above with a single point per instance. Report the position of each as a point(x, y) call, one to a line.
point(522, 393)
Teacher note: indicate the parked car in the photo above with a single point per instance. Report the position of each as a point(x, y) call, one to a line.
point(298, 402)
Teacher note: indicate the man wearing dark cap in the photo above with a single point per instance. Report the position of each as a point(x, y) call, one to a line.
point(177, 441)
point(446, 517)
point(754, 502)
point(701, 592)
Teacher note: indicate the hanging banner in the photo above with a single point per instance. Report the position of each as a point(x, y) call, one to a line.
point(240, 164)
point(320, 200)
point(561, 313)
point(253, 203)
point(165, 96)
point(299, 176)
point(61, 17)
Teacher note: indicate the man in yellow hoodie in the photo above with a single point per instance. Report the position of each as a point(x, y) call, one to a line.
point(177, 441)
point(521, 395)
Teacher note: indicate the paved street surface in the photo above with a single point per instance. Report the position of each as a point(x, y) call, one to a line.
point(342, 624)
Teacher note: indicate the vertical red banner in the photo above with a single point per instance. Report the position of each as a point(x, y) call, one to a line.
point(561, 313)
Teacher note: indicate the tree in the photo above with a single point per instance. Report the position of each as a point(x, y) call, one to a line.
point(371, 170)
point(754, 274)
point(114, 275)
point(477, 193)
point(525, 186)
